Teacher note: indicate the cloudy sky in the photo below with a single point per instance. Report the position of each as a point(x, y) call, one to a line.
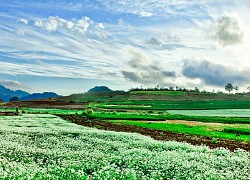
point(72, 45)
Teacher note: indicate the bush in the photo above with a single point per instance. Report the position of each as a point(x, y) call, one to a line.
point(89, 110)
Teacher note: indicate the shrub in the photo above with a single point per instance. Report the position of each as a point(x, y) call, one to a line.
point(214, 140)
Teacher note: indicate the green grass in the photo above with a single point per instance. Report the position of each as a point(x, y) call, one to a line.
point(160, 117)
point(171, 93)
point(176, 105)
point(125, 116)
point(217, 132)
point(219, 112)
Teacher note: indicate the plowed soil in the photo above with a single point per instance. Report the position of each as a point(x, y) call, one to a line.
point(158, 134)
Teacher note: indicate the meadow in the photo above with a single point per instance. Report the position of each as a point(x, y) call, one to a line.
point(46, 147)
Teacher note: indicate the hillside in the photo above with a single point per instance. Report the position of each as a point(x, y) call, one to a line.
point(99, 89)
point(6, 94)
point(152, 96)
point(35, 96)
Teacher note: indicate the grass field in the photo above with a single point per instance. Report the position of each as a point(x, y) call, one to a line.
point(219, 112)
point(176, 105)
point(210, 130)
point(163, 117)
point(47, 147)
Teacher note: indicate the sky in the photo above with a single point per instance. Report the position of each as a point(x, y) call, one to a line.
point(70, 46)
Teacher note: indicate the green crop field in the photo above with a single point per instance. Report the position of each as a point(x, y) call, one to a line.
point(47, 147)
point(218, 131)
point(163, 117)
point(219, 112)
point(176, 105)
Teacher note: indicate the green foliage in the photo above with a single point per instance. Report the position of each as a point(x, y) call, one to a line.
point(89, 111)
point(229, 87)
point(214, 140)
point(242, 131)
point(14, 99)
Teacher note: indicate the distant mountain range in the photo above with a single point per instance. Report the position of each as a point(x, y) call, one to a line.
point(6, 94)
point(97, 89)
point(44, 95)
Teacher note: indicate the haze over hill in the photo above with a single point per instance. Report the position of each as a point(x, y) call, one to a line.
point(6, 94)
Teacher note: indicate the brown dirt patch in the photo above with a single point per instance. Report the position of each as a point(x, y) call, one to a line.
point(158, 134)
point(192, 123)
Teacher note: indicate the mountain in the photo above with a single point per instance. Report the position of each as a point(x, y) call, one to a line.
point(6, 94)
point(99, 89)
point(44, 95)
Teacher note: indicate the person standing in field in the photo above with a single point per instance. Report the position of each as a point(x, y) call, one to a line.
point(17, 111)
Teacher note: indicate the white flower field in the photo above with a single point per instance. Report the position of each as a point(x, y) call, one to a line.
point(47, 147)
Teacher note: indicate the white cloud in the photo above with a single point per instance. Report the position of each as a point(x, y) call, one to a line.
point(146, 14)
point(53, 24)
point(82, 25)
point(25, 21)
point(13, 85)
point(101, 25)
point(84, 48)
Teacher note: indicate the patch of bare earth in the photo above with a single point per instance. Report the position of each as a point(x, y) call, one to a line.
point(192, 123)
point(158, 134)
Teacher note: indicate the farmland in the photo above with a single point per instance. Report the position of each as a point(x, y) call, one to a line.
point(176, 105)
point(202, 129)
point(220, 112)
point(40, 145)
point(47, 147)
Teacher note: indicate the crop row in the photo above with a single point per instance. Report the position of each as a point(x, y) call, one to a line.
point(47, 147)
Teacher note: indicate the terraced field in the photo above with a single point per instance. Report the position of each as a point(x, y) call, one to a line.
point(219, 112)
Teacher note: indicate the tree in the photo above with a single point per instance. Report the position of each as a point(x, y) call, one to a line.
point(236, 89)
point(196, 89)
point(248, 88)
point(14, 99)
point(1, 100)
point(229, 87)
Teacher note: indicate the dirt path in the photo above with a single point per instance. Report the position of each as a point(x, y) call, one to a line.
point(190, 123)
point(158, 134)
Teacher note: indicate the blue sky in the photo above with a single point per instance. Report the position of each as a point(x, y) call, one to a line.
point(73, 45)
